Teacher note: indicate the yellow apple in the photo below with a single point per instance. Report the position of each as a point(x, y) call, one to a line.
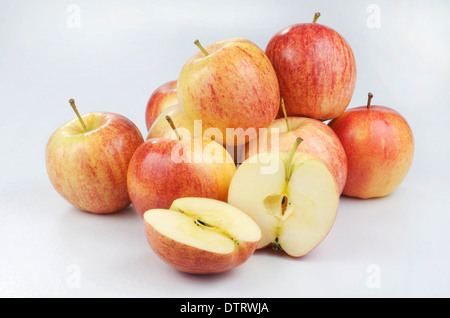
point(161, 128)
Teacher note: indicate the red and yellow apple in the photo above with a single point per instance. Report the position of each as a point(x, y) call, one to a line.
point(232, 87)
point(201, 236)
point(162, 98)
point(316, 70)
point(292, 196)
point(162, 129)
point(318, 139)
point(87, 160)
point(379, 145)
point(162, 170)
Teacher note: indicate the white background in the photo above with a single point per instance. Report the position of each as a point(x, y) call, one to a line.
point(397, 246)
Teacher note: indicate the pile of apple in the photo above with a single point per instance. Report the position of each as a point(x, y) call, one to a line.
point(283, 111)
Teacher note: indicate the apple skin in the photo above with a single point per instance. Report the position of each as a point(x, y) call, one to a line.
point(318, 139)
point(235, 86)
point(201, 235)
point(194, 260)
point(89, 170)
point(316, 70)
point(379, 145)
point(162, 129)
point(162, 98)
point(155, 180)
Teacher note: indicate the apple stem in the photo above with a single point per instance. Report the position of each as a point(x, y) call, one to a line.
point(291, 157)
point(197, 42)
point(74, 107)
point(369, 100)
point(285, 114)
point(316, 16)
point(172, 125)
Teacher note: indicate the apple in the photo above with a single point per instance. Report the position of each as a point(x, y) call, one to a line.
point(318, 139)
point(232, 88)
point(162, 170)
point(316, 70)
point(379, 145)
point(162, 98)
point(87, 160)
point(292, 196)
point(161, 128)
point(201, 235)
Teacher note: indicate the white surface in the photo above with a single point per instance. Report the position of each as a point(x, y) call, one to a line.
point(122, 51)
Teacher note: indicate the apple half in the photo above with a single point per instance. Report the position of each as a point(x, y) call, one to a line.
point(201, 235)
point(293, 197)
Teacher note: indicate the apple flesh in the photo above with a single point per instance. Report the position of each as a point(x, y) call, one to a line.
point(379, 144)
point(162, 98)
point(201, 236)
point(316, 70)
point(89, 167)
point(294, 201)
point(318, 139)
point(233, 87)
point(162, 170)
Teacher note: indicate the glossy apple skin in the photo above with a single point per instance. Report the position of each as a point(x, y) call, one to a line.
point(379, 145)
point(89, 170)
point(162, 98)
point(235, 86)
point(318, 139)
point(162, 129)
point(316, 70)
point(193, 260)
point(155, 180)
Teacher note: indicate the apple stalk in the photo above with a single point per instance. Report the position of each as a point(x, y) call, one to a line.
point(172, 125)
point(291, 157)
point(369, 100)
point(285, 114)
point(316, 16)
point(197, 42)
point(74, 107)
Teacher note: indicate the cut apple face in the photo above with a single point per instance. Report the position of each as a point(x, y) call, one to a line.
point(294, 202)
point(201, 236)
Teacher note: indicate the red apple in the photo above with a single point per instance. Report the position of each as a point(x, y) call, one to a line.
point(232, 87)
point(318, 139)
point(162, 98)
point(87, 160)
point(316, 70)
point(201, 236)
point(380, 147)
point(162, 170)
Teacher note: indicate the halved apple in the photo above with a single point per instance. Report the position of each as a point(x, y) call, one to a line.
point(201, 235)
point(293, 197)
